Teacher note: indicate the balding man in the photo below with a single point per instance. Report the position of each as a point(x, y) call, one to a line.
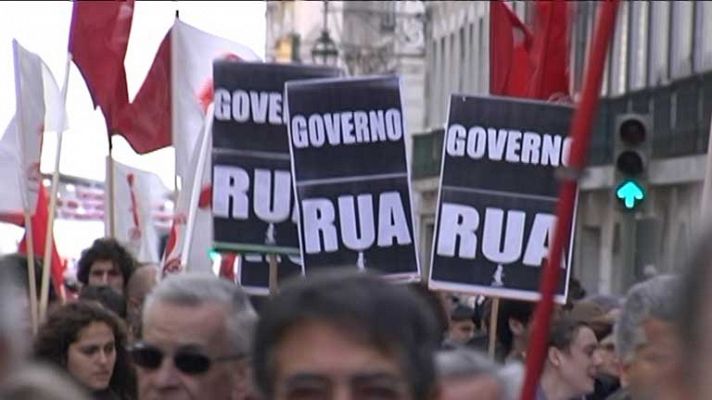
point(140, 284)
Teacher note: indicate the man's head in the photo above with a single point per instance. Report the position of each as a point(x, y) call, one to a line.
point(140, 284)
point(466, 374)
point(571, 363)
point(345, 334)
point(646, 343)
point(197, 331)
point(12, 343)
point(462, 326)
point(513, 326)
point(106, 263)
point(694, 324)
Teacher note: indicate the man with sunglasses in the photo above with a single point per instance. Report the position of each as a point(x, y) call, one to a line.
point(195, 342)
point(345, 335)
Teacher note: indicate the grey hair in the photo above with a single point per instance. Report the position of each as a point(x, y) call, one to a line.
point(655, 298)
point(11, 318)
point(195, 289)
point(466, 363)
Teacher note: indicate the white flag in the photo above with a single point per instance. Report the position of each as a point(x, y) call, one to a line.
point(39, 108)
point(11, 205)
point(137, 194)
point(192, 55)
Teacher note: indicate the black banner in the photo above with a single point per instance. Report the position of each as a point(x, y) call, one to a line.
point(498, 193)
point(351, 176)
point(253, 206)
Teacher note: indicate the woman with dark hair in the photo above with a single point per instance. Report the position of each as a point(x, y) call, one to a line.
point(88, 341)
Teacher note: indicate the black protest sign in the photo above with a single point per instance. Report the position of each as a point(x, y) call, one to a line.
point(253, 271)
point(253, 206)
point(351, 176)
point(498, 193)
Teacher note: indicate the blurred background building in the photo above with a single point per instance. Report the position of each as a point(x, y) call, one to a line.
point(660, 65)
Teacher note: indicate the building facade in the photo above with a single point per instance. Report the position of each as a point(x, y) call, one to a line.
point(372, 38)
point(659, 64)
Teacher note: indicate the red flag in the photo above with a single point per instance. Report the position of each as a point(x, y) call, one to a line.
point(550, 50)
point(510, 45)
point(227, 266)
point(98, 39)
point(146, 122)
point(39, 233)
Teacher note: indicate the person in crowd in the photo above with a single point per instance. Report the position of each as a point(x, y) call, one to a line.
point(513, 321)
point(195, 341)
point(693, 319)
point(88, 341)
point(140, 284)
point(41, 382)
point(646, 343)
point(571, 361)
point(607, 377)
point(14, 323)
point(18, 264)
point(465, 374)
point(347, 335)
point(106, 263)
point(108, 297)
point(462, 326)
point(438, 303)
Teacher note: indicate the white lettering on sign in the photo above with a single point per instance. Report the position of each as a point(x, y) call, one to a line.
point(359, 228)
point(271, 194)
point(508, 145)
point(500, 242)
point(346, 128)
point(242, 106)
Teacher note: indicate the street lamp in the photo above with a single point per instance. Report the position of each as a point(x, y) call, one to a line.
point(325, 51)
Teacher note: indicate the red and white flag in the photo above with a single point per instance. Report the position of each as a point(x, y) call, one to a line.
point(39, 106)
point(170, 109)
point(40, 220)
point(136, 194)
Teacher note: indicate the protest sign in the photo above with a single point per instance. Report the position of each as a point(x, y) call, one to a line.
point(498, 192)
point(253, 208)
point(351, 175)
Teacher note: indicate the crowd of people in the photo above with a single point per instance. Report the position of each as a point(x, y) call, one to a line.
point(342, 334)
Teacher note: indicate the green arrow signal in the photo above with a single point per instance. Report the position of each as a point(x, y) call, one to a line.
point(629, 192)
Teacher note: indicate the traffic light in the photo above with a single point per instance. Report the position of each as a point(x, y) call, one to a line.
point(631, 157)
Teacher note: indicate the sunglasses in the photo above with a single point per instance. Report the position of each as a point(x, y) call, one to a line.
point(187, 361)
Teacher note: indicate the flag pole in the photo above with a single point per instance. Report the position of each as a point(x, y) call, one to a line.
point(196, 184)
point(26, 212)
point(47, 264)
point(581, 134)
point(112, 188)
point(30, 259)
point(273, 275)
point(492, 331)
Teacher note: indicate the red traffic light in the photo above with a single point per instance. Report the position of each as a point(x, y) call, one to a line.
point(632, 132)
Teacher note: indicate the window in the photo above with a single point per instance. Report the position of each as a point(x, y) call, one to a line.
point(681, 46)
point(483, 60)
point(703, 36)
point(659, 41)
point(620, 52)
point(388, 16)
point(638, 44)
point(464, 74)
